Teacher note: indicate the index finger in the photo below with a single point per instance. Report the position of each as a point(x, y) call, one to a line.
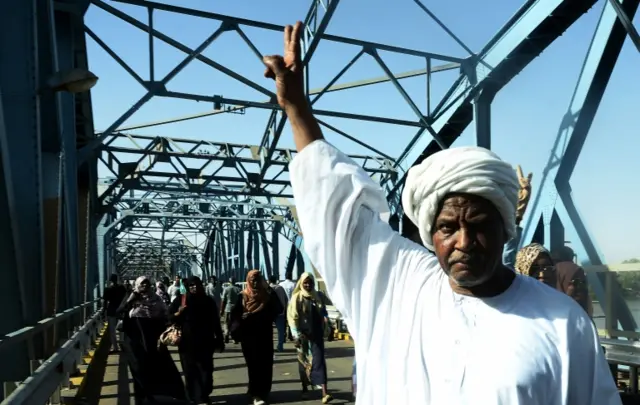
point(519, 171)
point(287, 37)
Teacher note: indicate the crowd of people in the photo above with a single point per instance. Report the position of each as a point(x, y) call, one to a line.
point(149, 318)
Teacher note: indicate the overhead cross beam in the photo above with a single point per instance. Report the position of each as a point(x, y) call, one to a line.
point(316, 24)
point(162, 164)
point(529, 32)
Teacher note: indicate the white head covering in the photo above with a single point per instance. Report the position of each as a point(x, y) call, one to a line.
point(139, 281)
point(469, 170)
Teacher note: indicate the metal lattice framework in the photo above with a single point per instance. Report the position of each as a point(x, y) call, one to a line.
point(152, 165)
point(206, 168)
point(156, 164)
point(48, 150)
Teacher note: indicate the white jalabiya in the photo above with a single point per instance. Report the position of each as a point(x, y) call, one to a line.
point(417, 342)
point(472, 170)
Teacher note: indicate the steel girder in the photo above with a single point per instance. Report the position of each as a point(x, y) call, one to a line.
point(143, 253)
point(548, 215)
point(529, 32)
point(313, 34)
point(46, 261)
point(162, 164)
point(167, 216)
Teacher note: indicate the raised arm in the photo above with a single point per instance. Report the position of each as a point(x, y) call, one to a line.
point(339, 207)
point(287, 71)
point(524, 194)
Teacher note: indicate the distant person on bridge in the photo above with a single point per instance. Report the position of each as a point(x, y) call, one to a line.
point(174, 289)
point(535, 261)
point(572, 280)
point(280, 321)
point(288, 286)
point(113, 296)
point(161, 290)
point(449, 324)
point(214, 290)
point(201, 336)
point(252, 324)
point(154, 372)
point(306, 318)
point(230, 296)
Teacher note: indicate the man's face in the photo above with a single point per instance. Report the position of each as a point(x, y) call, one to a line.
point(176, 281)
point(468, 238)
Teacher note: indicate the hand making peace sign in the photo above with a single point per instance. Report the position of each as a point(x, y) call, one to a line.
point(524, 194)
point(287, 70)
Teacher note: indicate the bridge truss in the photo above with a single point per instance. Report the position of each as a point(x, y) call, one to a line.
point(79, 204)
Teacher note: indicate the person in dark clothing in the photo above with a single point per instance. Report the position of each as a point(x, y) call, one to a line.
point(281, 320)
point(154, 372)
point(165, 280)
point(252, 324)
point(572, 280)
point(161, 291)
point(201, 336)
point(113, 296)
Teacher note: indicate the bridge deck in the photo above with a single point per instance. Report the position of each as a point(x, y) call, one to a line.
point(230, 378)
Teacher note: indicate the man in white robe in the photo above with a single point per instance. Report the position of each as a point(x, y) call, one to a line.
point(453, 327)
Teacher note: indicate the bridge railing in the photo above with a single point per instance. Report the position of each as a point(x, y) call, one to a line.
point(617, 313)
point(50, 376)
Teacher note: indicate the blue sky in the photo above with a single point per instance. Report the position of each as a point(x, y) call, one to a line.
point(526, 114)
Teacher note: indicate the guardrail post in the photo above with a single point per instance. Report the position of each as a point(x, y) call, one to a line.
point(633, 379)
point(9, 387)
point(56, 398)
point(610, 315)
point(34, 364)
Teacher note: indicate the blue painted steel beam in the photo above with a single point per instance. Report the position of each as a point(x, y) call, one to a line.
point(11, 300)
point(529, 32)
point(596, 71)
point(627, 23)
point(62, 26)
point(21, 229)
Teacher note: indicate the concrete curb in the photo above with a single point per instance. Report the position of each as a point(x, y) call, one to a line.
point(342, 336)
point(82, 378)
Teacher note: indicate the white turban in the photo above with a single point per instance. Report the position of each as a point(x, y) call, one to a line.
point(469, 170)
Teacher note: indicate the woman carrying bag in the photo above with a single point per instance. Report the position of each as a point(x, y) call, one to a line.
point(197, 318)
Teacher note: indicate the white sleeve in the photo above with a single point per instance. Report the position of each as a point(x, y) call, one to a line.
point(590, 379)
point(363, 262)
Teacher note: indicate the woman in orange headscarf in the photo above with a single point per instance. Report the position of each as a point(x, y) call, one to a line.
point(252, 325)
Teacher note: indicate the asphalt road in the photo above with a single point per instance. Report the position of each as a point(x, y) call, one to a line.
point(230, 378)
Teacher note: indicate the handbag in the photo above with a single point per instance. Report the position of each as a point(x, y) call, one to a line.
point(173, 334)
